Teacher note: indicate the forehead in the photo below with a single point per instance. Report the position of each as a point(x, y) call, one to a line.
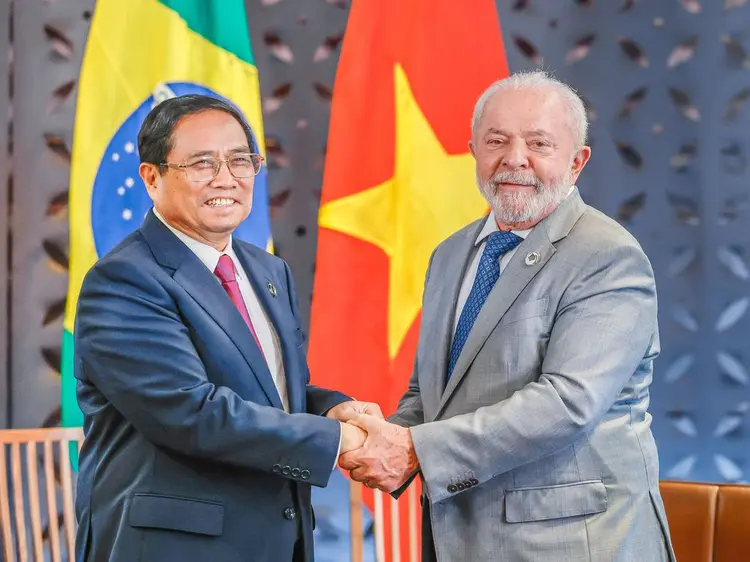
point(210, 130)
point(519, 110)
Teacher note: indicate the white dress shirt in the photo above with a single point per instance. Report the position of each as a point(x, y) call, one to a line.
point(267, 337)
point(490, 226)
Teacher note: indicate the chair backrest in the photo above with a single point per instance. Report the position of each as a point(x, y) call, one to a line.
point(24, 454)
point(392, 521)
point(708, 522)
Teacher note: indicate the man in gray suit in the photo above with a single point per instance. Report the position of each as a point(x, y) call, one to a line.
point(526, 415)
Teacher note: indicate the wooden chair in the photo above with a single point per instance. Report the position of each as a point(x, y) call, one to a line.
point(385, 523)
point(30, 449)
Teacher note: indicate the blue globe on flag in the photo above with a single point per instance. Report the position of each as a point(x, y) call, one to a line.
point(119, 201)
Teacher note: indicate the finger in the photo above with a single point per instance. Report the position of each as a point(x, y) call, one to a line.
point(387, 486)
point(376, 484)
point(343, 413)
point(382, 484)
point(360, 474)
point(374, 410)
point(349, 461)
point(358, 438)
point(366, 422)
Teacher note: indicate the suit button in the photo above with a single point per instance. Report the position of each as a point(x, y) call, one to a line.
point(295, 472)
point(452, 489)
point(305, 474)
point(286, 470)
point(277, 468)
point(461, 486)
point(290, 513)
point(474, 482)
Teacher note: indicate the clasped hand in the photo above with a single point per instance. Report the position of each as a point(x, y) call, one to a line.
point(376, 452)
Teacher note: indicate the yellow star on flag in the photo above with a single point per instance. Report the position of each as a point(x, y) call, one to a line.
point(431, 195)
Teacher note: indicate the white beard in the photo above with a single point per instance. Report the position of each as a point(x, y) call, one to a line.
point(516, 207)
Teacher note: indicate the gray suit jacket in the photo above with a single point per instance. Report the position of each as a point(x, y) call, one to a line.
point(539, 448)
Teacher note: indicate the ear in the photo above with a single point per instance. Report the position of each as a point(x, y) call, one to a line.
point(471, 148)
point(580, 159)
point(151, 177)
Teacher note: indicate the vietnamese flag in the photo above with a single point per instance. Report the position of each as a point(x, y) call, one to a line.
point(398, 180)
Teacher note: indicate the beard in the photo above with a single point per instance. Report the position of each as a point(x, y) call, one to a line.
point(518, 207)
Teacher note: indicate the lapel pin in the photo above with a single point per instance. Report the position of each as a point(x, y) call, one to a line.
point(271, 289)
point(532, 258)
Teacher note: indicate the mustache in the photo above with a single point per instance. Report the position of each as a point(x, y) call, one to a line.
point(516, 178)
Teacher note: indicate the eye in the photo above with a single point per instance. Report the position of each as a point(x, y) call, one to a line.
point(494, 142)
point(202, 164)
point(241, 161)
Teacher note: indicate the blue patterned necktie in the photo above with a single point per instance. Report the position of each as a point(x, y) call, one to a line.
point(488, 273)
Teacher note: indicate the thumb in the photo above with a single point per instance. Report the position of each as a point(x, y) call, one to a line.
point(365, 422)
point(373, 409)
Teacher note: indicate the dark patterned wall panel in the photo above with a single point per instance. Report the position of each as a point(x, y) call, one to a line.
point(660, 78)
point(48, 55)
point(4, 209)
point(296, 50)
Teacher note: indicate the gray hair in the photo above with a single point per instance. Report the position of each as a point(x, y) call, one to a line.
point(538, 79)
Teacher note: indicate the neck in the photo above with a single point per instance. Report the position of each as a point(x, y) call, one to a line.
point(218, 241)
point(220, 246)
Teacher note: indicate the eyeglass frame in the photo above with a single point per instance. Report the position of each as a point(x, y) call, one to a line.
point(221, 161)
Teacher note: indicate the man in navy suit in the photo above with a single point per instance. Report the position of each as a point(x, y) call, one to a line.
point(203, 434)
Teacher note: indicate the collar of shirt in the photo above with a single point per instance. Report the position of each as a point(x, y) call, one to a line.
point(207, 254)
point(490, 226)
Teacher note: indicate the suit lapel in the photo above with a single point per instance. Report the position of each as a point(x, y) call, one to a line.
point(204, 288)
point(513, 280)
point(265, 287)
point(442, 314)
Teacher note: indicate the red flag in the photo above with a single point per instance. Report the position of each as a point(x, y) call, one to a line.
point(398, 180)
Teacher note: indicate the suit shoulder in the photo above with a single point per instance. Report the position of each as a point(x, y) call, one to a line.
point(131, 258)
point(598, 241)
point(603, 233)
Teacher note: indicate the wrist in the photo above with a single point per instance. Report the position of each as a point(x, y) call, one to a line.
point(412, 460)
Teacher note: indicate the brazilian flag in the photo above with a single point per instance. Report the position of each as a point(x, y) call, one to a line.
point(139, 53)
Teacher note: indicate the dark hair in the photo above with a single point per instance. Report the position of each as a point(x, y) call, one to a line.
point(155, 136)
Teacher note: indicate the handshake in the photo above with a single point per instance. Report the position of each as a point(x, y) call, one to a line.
point(376, 452)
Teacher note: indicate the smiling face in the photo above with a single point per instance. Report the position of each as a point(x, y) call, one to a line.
point(526, 155)
point(207, 211)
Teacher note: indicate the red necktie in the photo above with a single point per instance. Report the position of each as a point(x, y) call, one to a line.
point(226, 274)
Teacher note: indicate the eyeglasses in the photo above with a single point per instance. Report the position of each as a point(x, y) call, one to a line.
point(206, 168)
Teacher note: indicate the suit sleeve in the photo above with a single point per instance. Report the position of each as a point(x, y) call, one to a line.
point(604, 327)
point(409, 412)
point(132, 345)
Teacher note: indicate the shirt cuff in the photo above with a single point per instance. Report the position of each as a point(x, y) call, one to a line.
point(338, 452)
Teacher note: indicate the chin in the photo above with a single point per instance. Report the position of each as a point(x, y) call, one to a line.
point(224, 226)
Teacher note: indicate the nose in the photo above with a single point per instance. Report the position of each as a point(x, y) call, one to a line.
point(516, 156)
point(224, 177)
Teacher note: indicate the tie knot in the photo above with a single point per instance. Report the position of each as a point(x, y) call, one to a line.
point(225, 269)
point(500, 242)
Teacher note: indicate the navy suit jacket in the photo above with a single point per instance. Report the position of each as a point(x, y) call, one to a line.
point(188, 454)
